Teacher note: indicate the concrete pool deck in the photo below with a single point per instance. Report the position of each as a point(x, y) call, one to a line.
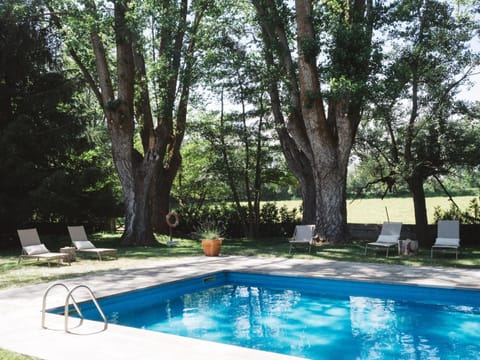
point(20, 308)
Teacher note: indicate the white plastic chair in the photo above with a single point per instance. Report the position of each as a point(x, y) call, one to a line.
point(33, 248)
point(389, 236)
point(82, 244)
point(448, 236)
point(302, 236)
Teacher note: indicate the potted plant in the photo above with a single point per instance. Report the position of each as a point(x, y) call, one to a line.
point(211, 235)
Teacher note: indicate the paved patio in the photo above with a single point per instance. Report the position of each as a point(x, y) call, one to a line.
point(20, 308)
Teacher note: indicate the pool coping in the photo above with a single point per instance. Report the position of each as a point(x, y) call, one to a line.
point(20, 314)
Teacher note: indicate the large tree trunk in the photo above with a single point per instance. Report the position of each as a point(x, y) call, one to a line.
point(420, 208)
point(151, 174)
point(172, 49)
point(330, 138)
point(414, 178)
point(296, 160)
point(138, 230)
point(160, 199)
point(135, 172)
point(331, 211)
point(317, 146)
point(276, 43)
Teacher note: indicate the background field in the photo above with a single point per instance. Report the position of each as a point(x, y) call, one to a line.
point(374, 211)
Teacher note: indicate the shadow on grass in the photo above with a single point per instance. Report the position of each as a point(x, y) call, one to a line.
point(279, 247)
point(355, 252)
point(31, 271)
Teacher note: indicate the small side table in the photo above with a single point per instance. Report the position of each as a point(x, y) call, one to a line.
point(407, 247)
point(71, 253)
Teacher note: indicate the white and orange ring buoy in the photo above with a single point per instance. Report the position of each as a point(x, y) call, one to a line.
point(172, 215)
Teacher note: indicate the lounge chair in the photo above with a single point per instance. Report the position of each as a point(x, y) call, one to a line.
point(448, 236)
point(32, 248)
point(389, 236)
point(302, 236)
point(82, 244)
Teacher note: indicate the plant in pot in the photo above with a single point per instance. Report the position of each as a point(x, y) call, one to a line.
point(211, 235)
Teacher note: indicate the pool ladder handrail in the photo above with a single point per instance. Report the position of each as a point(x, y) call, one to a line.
point(74, 303)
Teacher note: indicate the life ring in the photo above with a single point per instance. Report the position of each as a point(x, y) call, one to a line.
point(168, 218)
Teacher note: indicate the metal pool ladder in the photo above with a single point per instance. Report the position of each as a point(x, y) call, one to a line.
point(74, 303)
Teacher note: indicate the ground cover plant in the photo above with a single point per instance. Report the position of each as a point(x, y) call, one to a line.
point(360, 211)
point(13, 274)
point(374, 210)
point(8, 355)
point(28, 272)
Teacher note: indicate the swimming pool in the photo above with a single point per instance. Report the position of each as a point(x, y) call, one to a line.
point(312, 318)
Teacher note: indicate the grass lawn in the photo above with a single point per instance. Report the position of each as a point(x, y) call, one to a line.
point(399, 209)
point(13, 274)
point(374, 211)
point(8, 355)
point(28, 272)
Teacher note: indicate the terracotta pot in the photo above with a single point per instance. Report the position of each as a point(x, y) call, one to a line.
point(211, 247)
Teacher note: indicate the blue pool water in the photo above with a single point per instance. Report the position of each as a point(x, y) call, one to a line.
point(311, 318)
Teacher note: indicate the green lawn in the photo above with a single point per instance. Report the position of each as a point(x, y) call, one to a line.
point(374, 211)
point(399, 209)
point(359, 211)
point(13, 274)
point(8, 355)
point(31, 272)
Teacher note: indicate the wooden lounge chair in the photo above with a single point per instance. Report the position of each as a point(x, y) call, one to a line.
point(448, 236)
point(32, 248)
point(389, 236)
point(302, 236)
point(83, 245)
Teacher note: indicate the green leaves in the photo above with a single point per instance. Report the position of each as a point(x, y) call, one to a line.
point(413, 125)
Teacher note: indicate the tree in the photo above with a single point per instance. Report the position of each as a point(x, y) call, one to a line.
point(241, 161)
point(242, 135)
point(146, 173)
point(197, 184)
point(214, 167)
point(42, 134)
point(422, 130)
point(241, 139)
point(323, 99)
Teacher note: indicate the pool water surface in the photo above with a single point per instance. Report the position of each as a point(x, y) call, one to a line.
point(311, 318)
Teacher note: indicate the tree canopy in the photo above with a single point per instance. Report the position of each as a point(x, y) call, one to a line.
point(419, 127)
point(43, 175)
point(234, 81)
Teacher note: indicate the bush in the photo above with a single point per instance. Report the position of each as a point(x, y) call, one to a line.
point(469, 216)
point(274, 221)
